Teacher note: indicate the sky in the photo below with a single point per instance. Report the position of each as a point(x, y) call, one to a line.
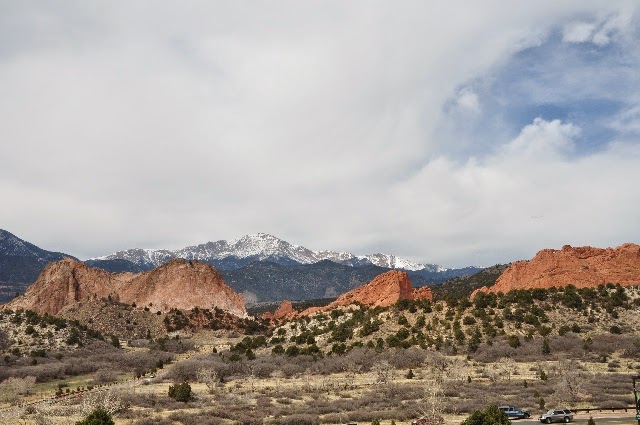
point(457, 133)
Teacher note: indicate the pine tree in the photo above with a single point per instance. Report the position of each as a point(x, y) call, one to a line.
point(490, 415)
point(545, 347)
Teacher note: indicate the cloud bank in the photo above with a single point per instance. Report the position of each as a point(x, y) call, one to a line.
point(465, 134)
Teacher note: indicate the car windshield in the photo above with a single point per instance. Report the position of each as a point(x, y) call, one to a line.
point(550, 412)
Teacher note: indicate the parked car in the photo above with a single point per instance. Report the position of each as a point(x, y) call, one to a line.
point(558, 415)
point(515, 413)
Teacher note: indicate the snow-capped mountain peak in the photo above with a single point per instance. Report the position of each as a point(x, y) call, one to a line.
point(262, 247)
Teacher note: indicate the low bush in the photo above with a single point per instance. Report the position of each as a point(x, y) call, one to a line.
point(98, 417)
point(180, 392)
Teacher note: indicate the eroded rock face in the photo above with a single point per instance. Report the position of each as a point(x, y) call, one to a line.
point(383, 291)
point(423, 293)
point(177, 284)
point(284, 311)
point(582, 267)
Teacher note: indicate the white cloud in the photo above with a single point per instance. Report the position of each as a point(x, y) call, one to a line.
point(468, 101)
point(528, 190)
point(599, 33)
point(627, 121)
point(542, 139)
point(578, 32)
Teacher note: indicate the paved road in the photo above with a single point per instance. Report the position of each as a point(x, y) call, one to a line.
point(619, 419)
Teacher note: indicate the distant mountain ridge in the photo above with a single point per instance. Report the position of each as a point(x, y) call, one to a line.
point(20, 263)
point(262, 267)
point(236, 253)
point(264, 281)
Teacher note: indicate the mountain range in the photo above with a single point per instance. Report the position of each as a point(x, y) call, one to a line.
point(236, 253)
point(262, 267)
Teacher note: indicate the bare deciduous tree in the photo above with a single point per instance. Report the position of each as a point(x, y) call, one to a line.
point(383, 372)
point(110, 401)
point(12, 388)
point(570, 380)
point(507, 366)
point(209, 377)
point(433, 400)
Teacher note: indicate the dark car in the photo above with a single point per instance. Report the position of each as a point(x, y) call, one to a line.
point(515, 413)
point(557, 416)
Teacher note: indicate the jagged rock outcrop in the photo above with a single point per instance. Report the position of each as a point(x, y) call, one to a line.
point(383, 291)
point(423, 293)
point(582, 267)
point(177, 284)
point(284, 311)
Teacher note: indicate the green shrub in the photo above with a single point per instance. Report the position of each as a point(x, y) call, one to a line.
point(490, 415)
point(513, 341)
point(180, 392)
point(615, 329)
point(98, 417)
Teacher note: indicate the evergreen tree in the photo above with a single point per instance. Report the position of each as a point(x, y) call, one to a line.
point(545, 347)
point(180, 392)
point(490, 415)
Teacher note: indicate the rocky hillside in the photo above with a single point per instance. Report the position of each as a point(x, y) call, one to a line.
point(463, 286)
point(177, 284)
point(383, 291)
point(582, 267)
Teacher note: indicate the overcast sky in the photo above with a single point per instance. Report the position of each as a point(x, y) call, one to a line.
point(457, 132)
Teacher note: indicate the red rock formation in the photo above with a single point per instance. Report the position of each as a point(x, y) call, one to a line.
point(423, 293)
point(177, 284)
point(582, 267)
point(384, 290)
point(284, 312)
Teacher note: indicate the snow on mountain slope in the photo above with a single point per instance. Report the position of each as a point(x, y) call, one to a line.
point(141, 257)
point(262, 247)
